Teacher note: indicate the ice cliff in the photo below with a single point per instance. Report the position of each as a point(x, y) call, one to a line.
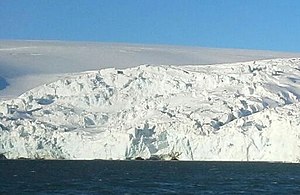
point(245, 111)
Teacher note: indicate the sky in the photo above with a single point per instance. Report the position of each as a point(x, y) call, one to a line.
point(246, 24)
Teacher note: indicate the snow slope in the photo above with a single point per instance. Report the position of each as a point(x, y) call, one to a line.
point(28, 64)
point(246, 111)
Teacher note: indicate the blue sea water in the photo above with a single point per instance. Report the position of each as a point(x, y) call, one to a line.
point(147, 177)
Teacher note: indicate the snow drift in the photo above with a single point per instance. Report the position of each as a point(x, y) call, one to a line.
point(239, 112)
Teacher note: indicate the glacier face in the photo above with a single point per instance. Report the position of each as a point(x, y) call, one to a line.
point(245, 111)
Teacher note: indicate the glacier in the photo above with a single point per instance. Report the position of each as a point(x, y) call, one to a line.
point(28, 64)
point(245, 111)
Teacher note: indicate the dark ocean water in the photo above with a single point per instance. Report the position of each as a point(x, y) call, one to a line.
point(147, 177)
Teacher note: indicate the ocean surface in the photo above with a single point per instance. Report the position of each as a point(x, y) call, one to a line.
point(147, 177)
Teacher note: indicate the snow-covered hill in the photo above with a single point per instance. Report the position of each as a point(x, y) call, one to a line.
point(28, 64)
point(240, 111)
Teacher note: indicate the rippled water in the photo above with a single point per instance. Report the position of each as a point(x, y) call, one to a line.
point(142, 177)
